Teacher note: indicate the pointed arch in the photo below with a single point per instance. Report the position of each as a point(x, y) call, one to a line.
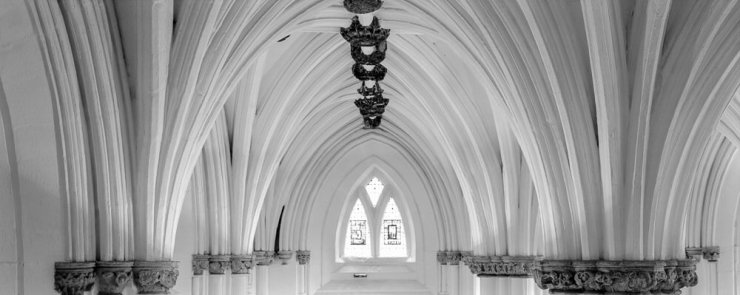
point(392, 241)
point(358, 240)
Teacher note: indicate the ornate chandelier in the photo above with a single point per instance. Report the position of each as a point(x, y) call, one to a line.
point(368, 45)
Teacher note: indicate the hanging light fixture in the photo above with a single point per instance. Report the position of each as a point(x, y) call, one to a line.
point(368, 46)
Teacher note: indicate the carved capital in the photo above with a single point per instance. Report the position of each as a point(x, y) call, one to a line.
point(615, 277)
point(219, 264)
point(155, 277)
point(710, 254)
point(303, 257)
point(113, 276)
point(74, 278)
point(449, 257)
point(284, 256)
point(241, 264)
point(263, 258)
point(200, 264)
point(500, 266)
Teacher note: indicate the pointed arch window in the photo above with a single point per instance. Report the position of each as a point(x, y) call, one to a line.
point(357, 243)
point(394, 236)
point(376, 227)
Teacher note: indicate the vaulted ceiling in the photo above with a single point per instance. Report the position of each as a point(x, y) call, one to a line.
point(585, 121)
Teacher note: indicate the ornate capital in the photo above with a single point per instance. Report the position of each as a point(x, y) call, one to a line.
point(155, 277)
point(113, 276)
point(219, 264)
point(303, 257)
point(263, 258)
point(74, 278)
point(241, 264)
point(710, 254)
point(500, 266)
point(358, 35)
point(449, 257)
point(200, 264)
point(284, 256)
point(620, 277)
point(362, 6)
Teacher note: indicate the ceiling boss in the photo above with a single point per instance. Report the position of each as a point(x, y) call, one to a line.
point(368, 46)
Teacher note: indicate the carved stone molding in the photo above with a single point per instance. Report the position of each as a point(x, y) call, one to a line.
point(710, 254)
point(615, 277)
point(200, 264)
point(362, 6)
point(500, 266)
point(449, 257)
point(113, 276)
point(74, 278)
point(303, 257)
point(219, 264)
point(241, 264)
point(263, 258)
point(284, 256)
point(155, 277)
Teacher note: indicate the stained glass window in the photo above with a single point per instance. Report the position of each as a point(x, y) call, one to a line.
point(374, 189)
point(393, 242)
point(358, 240)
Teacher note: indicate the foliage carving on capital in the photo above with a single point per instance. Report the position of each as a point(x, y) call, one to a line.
point(449, 257)
point(615, 277)
point(74, 278)
point(303, 256)
point(219, 264)
point(241, 264)
point(200, 264)
point(113, 276)
point(155, 277)
point(500, 266)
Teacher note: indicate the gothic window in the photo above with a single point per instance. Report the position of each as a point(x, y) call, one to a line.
point(383, 235)
point(358, 239)
point(374, 189)
point(394, 237)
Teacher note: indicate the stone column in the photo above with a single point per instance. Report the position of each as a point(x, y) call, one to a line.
point(218, 280)
point(263, 260)
point(449, 262)
point(240, 269)
point(74, 278)
point(303, 257)
point(155, 277)
point(200, 266)
point(113, 276)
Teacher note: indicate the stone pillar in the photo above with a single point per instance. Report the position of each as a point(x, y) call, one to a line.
point(263, 259)
point(155, 277)
point(113, 276)
point(240, 269)
point(200, 266)
point(615, 277)
point(74, 278)
point(303, 257)
point(218, 281)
